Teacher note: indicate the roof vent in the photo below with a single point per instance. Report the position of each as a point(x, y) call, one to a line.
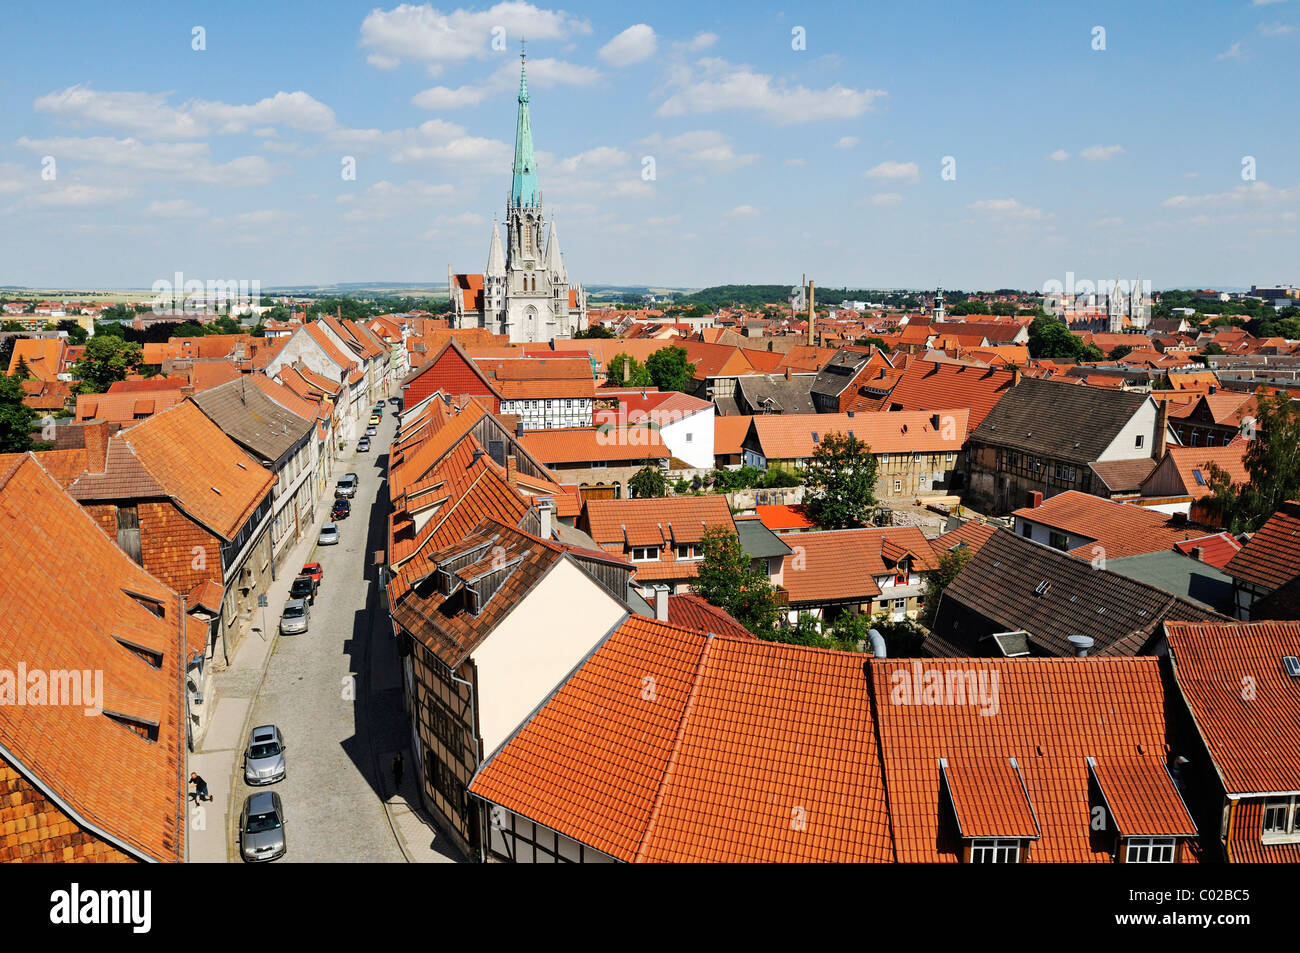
point(1081, 644)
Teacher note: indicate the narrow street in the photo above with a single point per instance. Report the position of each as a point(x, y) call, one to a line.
point(335, 693)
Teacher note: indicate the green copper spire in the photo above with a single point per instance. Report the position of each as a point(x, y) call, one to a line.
point(523, 188)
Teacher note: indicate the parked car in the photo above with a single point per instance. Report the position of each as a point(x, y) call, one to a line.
point(371, 431)
point(347, 485)
point(261, 828)
point(315, 571)
point(329, 535)
point(294, 618)
point(363, 445)
point(394, 400)
point(376, 419)
point(303, 587)
point(341, 510)
point(264, 756)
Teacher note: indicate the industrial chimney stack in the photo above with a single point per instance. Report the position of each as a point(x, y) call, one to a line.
point(812, 316)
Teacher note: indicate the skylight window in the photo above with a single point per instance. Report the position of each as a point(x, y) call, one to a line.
point(1200, 477)
point(1292, 665)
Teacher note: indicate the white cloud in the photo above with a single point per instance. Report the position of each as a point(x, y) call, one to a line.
point(714, 85)
point(795, 162)
point(1060, 155)
point(846, 142)
point(424, 34)
point(1234, 52)
point(1265, 3)
point(542, 74)
point(703, 145)
point(885, 199)
point(385, 200)
point(444, 97)
point(1275, 29)
point(1101, 153)
point(1256, 194)
point(379, 61)
point(900, 171)
point(297, 110)
point(743, 211)
point(634, 188)
point(634, 45)
point(174, 208)
point(187, 161)
point(1006, 208)
point(602, 157)
point(78, 195)
point(702, 41)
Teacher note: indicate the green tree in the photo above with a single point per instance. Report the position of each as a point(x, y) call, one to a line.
point(648, 482)
point(1212, 348)
point(595, 331)
point(11, 325)
point(670, 370)
point(76, 333)
point(1049, 338)
point(1273, 461)
point(841, 481)
point(936, 580)
point(728, 579)
point(1120, 352)
point(22, 371)
point(903, 637)
point(16, 418)
point(107, 360)
point(623, 370)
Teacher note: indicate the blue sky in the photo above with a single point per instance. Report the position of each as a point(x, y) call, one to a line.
point(769, 161)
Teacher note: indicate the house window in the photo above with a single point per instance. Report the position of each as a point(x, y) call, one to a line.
point(1059, 541)
point(951, 457)
point(898, 486)
point(1282, 819)
point(884, 458)
point(995, 851)
point(645, 554)
point(690, 438)
point(685, 551)
point(900, 604)
point(900, 579)
point(1137, 441)
point(568, 402)
point(1149, 850)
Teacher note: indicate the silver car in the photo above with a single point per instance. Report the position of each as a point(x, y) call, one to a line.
point(347, 486)
point(294, 618)
point(329, 535)
point(261, 828)
point(264, 756)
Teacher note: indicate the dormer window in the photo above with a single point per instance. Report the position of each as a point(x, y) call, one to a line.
point(1282, 820)
point(997, 850)
point(1149, 850)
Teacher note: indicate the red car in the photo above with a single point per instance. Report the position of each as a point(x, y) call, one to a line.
point(313, 570)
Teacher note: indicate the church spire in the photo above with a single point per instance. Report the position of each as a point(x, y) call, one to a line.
point(523, 188)
point(554, 260)
point(496, 266)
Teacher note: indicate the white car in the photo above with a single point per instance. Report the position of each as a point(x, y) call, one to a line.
point(329, 535)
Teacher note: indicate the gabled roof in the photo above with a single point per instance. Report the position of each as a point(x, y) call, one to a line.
point(1121, 529)
point(747, 751)
point(796, 436)
point(125, 407)
point(70, 598)
point(1272, 557)
point(729, 433)
point(840, 566)
point(1050, 716)
point(183, 455)
point(775, 394)
point(689, 611)
point(973, 534)
point(579, 444)
point(656, 522)
point(1188, 460)
point(1016, 584)
point(1253, 741)
point(1043, 417)
point(247, 413)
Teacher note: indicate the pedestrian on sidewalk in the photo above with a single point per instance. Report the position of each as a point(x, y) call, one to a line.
point(398, 766)
point(200, 788)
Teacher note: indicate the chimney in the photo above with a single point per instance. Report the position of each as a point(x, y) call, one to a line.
point(1162, 429)
point(661, 603)
point(812, 314)
point(1035, 499)
point(545, 509)
point(512, 470)
point(1015, 377)
point(1198, 553)
point(1080, 644)
point(519, 428)
point(787, 373)
point(95, 436)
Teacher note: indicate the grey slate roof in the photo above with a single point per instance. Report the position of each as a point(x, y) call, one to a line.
point(838, 373)
point(1069, 422)
point(250, 418)
point(1002, 589)
point(793, 396)
point(757, 541)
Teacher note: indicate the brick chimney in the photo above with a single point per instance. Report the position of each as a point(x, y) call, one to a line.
point(812, 314)
point(1162, 428)
point(1015, 376)
point(512, 470)
point(96, 439)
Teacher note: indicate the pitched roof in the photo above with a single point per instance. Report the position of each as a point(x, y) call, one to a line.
point(796, 436)
point(43, 357)
point(1017, 584)
point(1272, 557)
point(1043, 417)
point(745, 751)
point(656, 522)
point(1052, 715)
point(1123, 476)
point(247, 413)
point(840, 565)
point(69, 607)
point(779, 517)
point(1121, 529)
point(125, 407)
point(1252, 740)
point(1188, 460)
point(689, 611)
point(579, 444)
point(729, 433)
point(972, 534)
point(183, 455)
point(770, 393)
point(931, 385)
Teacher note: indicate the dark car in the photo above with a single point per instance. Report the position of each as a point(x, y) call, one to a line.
point(341, 510)
point(304, 587)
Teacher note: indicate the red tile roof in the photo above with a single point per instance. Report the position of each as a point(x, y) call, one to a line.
point(840, 565)
point(972, 534)
point(1050, 715)
point(1272, 557)
point(1217, 549)
point(790, 436)
point(742, 751)
point(692, 612)
point(69, 607)
point(779, 517)
point(1121, 529)
point(579, 444)
point(655, 522)
point(729, 434)
point(1246, 707)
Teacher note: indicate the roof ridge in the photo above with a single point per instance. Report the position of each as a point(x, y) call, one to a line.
point(677, 744)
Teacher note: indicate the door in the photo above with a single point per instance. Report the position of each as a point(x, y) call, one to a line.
point(900, 609)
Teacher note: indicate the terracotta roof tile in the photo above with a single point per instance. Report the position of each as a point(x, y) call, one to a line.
point(1272, 557)
point(841, 565)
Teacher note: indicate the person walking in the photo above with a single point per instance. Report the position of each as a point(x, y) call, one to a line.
point(200, 788)
point(398, 767)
